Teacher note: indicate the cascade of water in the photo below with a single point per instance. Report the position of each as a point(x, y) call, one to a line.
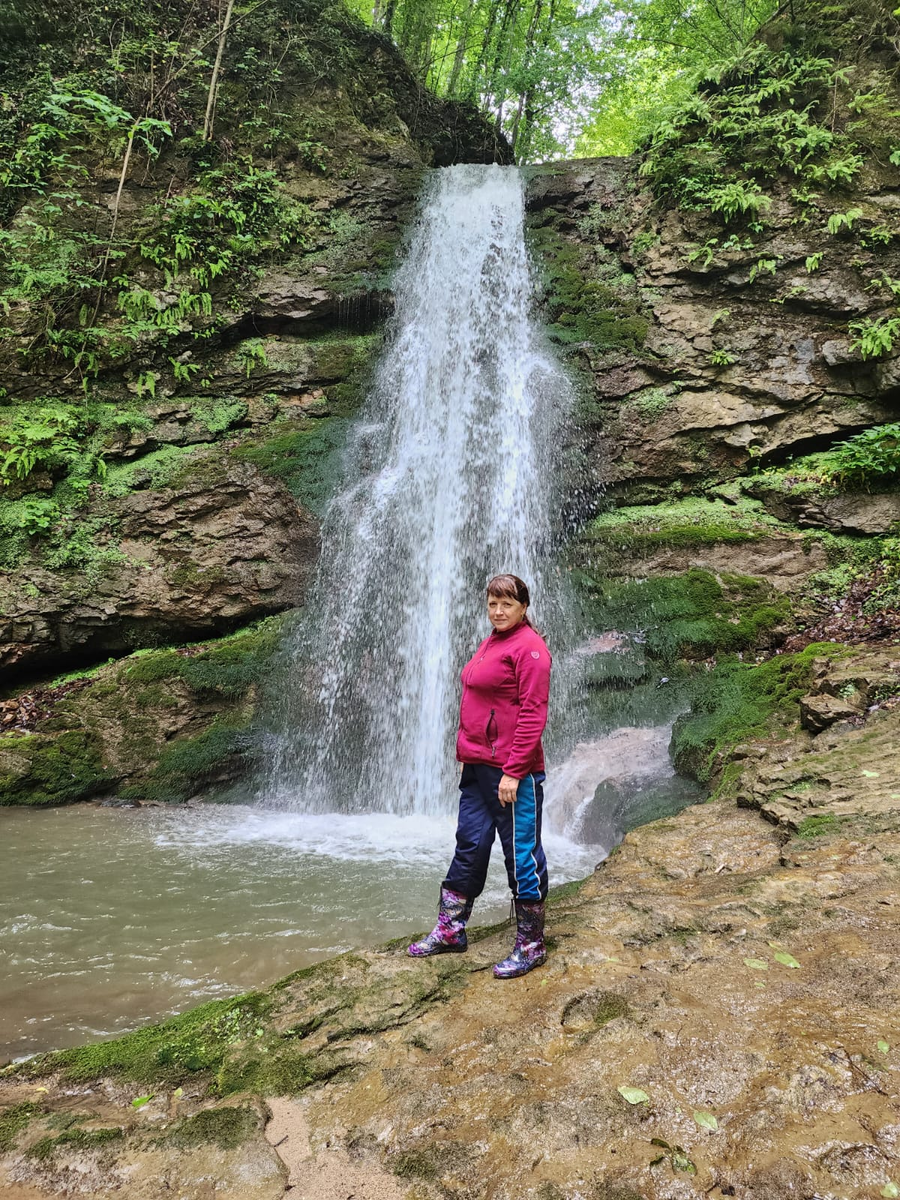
point(449, 481)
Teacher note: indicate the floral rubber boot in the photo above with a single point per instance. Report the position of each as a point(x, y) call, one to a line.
point(449, 935)
point(529, 951)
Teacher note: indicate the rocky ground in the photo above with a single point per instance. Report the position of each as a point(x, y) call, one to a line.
point(718, 1018)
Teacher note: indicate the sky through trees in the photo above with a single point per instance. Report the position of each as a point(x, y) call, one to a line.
point(566, 76)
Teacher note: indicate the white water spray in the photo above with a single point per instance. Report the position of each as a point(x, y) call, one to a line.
point(450, 473)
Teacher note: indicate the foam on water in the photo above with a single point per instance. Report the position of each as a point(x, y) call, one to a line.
point(412, 842)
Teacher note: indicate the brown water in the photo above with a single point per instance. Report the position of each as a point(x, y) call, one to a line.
point(110, 917)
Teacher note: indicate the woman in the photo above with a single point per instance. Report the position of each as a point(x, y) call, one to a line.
point(502, 716)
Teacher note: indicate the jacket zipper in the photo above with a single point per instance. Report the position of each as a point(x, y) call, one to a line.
point(487, 732)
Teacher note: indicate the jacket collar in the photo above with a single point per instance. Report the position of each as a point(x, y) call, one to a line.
point(503, 634)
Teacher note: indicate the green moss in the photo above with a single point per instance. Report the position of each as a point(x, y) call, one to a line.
point(418, 1164)
point(819, 825)
point(689, 615)
point(564, 891)
point(648, 405)
point(282, 1071)
point(74, 1139)
point(59, 767)
point(692, 521)
point(154, 470)
point(13, 1121)
point(227, 1127)
point(226, 666)
point(306, 460)
point(217, 414)
point(189, 764)
point(196, 1042)
point(42, 770)
point(610, 1006)
point(588, 296)
point(736, 702)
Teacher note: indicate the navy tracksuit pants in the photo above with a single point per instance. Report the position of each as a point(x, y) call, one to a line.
point(481, 816)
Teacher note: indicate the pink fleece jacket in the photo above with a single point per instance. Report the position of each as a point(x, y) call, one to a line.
point(504, 702)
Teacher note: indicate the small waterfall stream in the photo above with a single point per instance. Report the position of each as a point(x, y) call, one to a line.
point(450, 481)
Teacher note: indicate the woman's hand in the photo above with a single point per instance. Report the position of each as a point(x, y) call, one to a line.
point(507, 789)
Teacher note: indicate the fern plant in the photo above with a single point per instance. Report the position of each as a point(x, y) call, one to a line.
point(875, 337)
point(870, 457)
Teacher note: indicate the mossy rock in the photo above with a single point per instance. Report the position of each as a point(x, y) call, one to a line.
point(83, 1140)
point(194, 1043)
point(117, 726)
point(306, 460)
point(40, 770)
point(587, 295)
point(689, 522)
point(688, 616)
point(738, 702)
point(14, 1120)
point(226, 1127)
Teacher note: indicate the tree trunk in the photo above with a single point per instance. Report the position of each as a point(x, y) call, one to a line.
point(461, 45)
point(214, 81)
point(387, 23)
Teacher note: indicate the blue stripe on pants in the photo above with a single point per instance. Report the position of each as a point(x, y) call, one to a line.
point(481, 816)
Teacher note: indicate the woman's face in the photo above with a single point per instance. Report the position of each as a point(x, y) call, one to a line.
point(504, 612)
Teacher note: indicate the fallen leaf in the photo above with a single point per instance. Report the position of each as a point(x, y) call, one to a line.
point(706, 1120)
point(140, 1101)
point(178, 1093)
point(890, 1190)
point(756, 964)
point(884, 1046)
point(871, 774)
point(760, 983)
point(633, 1095)
point(681, 1162)
point(786, 960)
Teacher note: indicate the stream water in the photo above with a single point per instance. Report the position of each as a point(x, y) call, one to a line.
point(111, 917)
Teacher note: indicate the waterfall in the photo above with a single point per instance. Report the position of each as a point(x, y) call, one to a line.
point(449, 480)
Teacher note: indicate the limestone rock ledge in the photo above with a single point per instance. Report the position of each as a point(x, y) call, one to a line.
point(741, 973)
point(221, 545)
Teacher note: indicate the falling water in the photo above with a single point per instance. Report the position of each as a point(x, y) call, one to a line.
point(449, 481)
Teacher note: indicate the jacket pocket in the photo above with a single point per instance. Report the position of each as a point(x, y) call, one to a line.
point(491, 732)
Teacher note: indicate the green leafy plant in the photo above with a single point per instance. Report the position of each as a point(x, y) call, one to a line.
point(721, 358)
point(763, 265)
point(813, 262)
point(38, 436)
point(677, 1156)
point(843, 220)
point(872, 456)
point(251, 354)
point(875, 337)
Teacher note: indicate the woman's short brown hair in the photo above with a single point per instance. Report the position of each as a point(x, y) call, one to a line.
point(513, 587)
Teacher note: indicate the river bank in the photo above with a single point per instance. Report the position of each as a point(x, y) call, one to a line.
point(718, 1018)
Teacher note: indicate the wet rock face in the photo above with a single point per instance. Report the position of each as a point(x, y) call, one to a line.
point(696, 370)
point(221, 546)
